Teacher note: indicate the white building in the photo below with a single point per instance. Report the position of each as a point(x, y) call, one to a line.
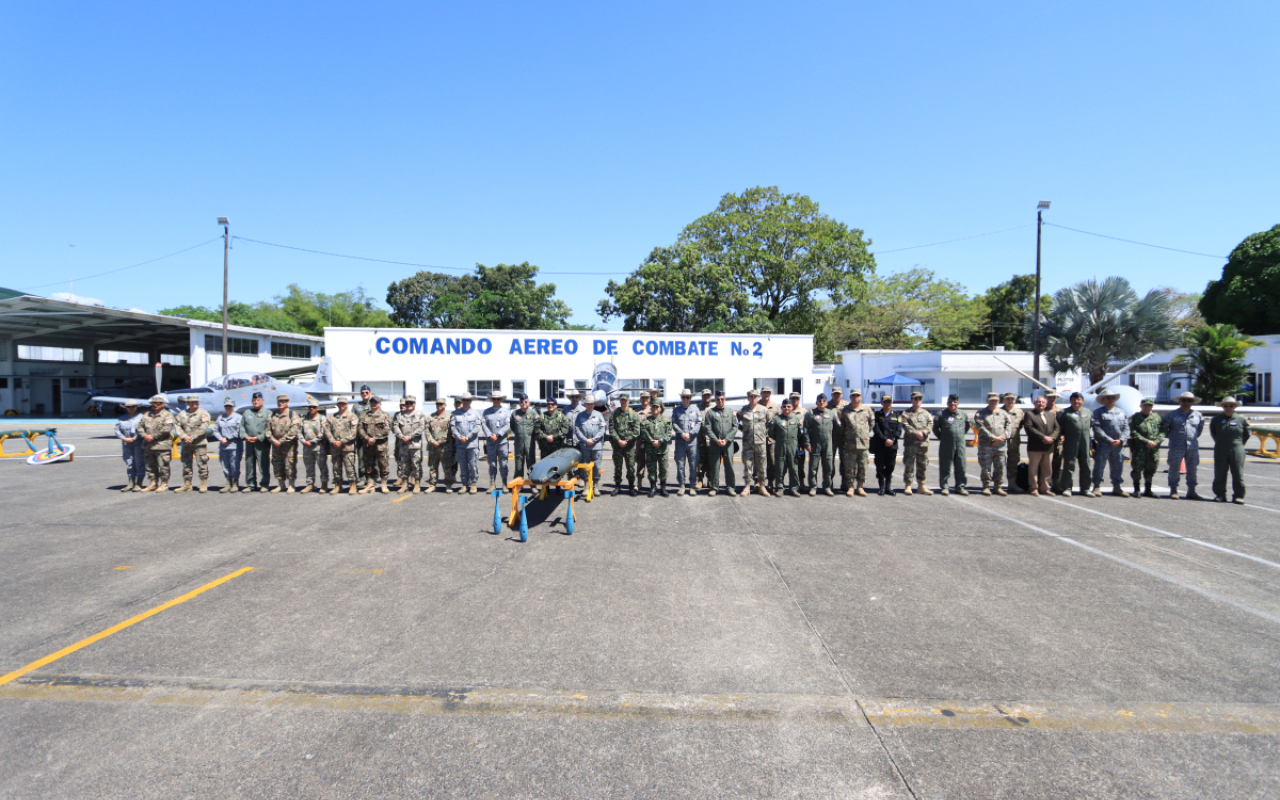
point(967, 373)
point(1156, 377)
point(248, 350)
point(431, 363)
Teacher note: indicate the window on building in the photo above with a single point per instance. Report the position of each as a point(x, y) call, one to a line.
point(696, 385)
point(290, 350)
point(482, 388)
point(4, 383)
point(971, 390)
point(661, 385)
point(34, 352)
point(580, 385)
point(796, 385)
point(430, 391)
point(1259, 389)
point(634, 386)
point(173, 360)
point(385, 390)
point(1025, 387)
point(517, 388)
point(121, 357)
point(77, 383)
point(775, 385)
point(548, 389)
point(235, 345)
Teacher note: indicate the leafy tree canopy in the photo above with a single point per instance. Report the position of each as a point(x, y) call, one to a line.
point(1185, 307)
point(1009, 305)
point(911, 309)
point(1248, 294)
point(1216, 359)
point(674, 290)
point(298, 311)
point(503, 297)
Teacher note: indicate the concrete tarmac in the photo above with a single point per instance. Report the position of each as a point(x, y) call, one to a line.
point(395, 646)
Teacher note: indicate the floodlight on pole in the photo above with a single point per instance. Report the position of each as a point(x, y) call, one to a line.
point(1035, 326)
point(226, 251)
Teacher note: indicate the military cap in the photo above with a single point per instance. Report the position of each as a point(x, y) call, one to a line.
point(1052, 393)
point(752, 393)
point(365, 388)
point(342, 400)
point(953, 398)
point(130, 403)
point(786, 403)
point(257, 396)
point(821, 396)
point(440, 401)
point(227, 401)
point(496, 395)
point(707, 392)
point(193, 398)
point(858, 392)
point(1108, 393)
point(993, 396)
point(312, 402)
point(1007, 395)
point(1147, 401)
point(280, 397)
point(719, 395)
point(1228, 401)
point(686, 393)
point(408, 398)
point(917, 396)
point(465, 396)
point(522, 397)
point(835, 390)
point(795, 395)
point(375, 400)
point(624, 396)
point(159, 398)
point(766, 390)
point(886, 398)
point(1188, 396)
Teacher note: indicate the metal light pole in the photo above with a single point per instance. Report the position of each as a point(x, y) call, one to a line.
point(1035, 330)
point(226, 252)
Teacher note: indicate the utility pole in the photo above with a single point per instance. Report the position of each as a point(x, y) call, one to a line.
point(226, 253)
point(1035, 329)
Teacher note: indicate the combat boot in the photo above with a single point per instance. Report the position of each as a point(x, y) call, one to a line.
point(337, 488)
point(404, 487)
point(963, 492)
point(204, 485)
point(385, 490)
point(764, 492)
point(986, 491)
point(1000, 492)
point(1191, 495)
point(1118, 491)
point(1147, 492)
point(150, 487)
point(185, 487)
point(137, 486)
point(368, 488)
point(653, 489)
point(828, 493)
point(417, 487)
point(860, 492)
point(290, 489)
point(907, 490)
point(128, 487)
point(1173, 494)
point(324, 489)
point(277, 489)
point(307, 489)
point(746, 490)
point(617, 490)
point(632, 491)
point(351, 488)
point(920, 488)
point(663, 491)
point(848, 492)
point(813, 492)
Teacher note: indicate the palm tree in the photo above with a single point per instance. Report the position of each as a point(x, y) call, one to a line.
point(1215, 356)
point(1092, 324)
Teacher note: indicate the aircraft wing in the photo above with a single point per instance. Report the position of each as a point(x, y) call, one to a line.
point(142, 401)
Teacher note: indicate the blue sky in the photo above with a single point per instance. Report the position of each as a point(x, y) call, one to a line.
point(578, 137)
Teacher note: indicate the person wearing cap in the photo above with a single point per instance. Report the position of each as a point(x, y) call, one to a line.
point(156, 430)
point(642, 458)
point(1229, 431)
point(706, 403)
point(257, 449)
point(819, 429)
point(836, 405)
point(787, 432)
point(131, 450)
point(360, 408)
point(624, 435)
point(373, 432)
point(283, 429)
point(771, 466)
point(1075, 423)
point(408, 428)
point(552, 429)
point(226, 429)
point(858, 422)
point(440, 463)
point(1043, 434)
point(589, 431)
point(753, 420)
point(1183, 426)
point(314, 434)
point(993, 426)
point(1051, 407)
point(575, 408)
point(496, 428)
point(1013, 450)
point(798, 411)
point(1144, 447)
point(1110, 433)
point(524, 424)
point(192, 428)
point(657, 432)
point(884, 443)
point(397, 448)
point(951, 427)
point(686, 426)
point(917, 422)
point(722, 430)
point(466, 427)
point(342, 434)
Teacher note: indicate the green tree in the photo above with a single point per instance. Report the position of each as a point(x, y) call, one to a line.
point(502, 297)
point(1092, 324)
point(1216, 358)
point(1185, 307)
point(674, 290)
point(911, 309)
point(1248, 293)
point(262, 314)
point(1009, 305)
point(298, 311)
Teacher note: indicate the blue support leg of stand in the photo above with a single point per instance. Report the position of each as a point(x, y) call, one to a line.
point(568, 520)
point(524, 523)
point(497, 511)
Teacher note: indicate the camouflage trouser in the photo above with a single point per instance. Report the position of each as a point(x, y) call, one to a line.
point(657, 463)
point(440, 464)
point(344, 462)
point(158, 466)
point(704, 460)
point(546, 448)
point(641, 459)
point(624, 456)
point(284, 463)
point(1057, 465)
point(853, 462)
point(376, 466)
point(991, 462)
point(755, 463)
point(523, 449)
point(915, 460)
point(316, 453)
point(772, 465)
point(1013, 452)
point(823, 454)
point(191, 457)
point(1108, 453)
point(410, 465)
point(1143, 462)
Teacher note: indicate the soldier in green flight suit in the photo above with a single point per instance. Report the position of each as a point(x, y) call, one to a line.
point(951, 427)
point(1229, 433)
point(787, 432)
point(657, 433)
point(1145, 437)
point(624, 434)
point(1076, 423)
point(819, 427)
point(722, 427)
point(257, 448)
point(524, 422)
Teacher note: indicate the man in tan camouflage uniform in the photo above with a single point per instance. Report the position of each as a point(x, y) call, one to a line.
point(315, 446)
point(993, 434)
point(704, 441)
point(798, 411)
point(439, 448)
point(1013, 451)
point(282, 431)
point(192, 429)
point(753, 420)
point(342, 445)
point(917, 423)
point(156, 431)
point(836, 405)
point(408, 428)
point(858, 420)
point(374, 431)
point(641, 455)
point(771, 468)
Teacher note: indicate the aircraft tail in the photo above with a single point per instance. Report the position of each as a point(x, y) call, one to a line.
point(323, 384)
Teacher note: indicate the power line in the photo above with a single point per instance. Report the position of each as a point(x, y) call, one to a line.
point(1130, 241)
point(131, 266)
point(961, 239)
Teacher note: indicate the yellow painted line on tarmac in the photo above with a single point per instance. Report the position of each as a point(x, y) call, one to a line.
point(83, 643)
point(402, 499)
point(126, 566)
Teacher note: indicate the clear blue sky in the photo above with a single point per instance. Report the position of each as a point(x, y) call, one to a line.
point(578, 137)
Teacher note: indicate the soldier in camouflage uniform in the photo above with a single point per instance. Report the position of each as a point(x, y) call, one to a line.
point(282, 431)
point(315, 446)
point(657, 433)
point(641, 458)
point(916, 422)
point(858, 420)
point(798, 411)
point(524, 422)
point(342, 444)
point(156, 431)
point(439, 448)
point(1145, 437)
point(373, 432)
point(408, 428)
point(361, 407)
point(552, 429)
point(819, 427)
point(754, 422)
point(787, 432)
point(993, 435)
point(397, 451)
point(836, 405)
point(624, 436)
point(192, 429)
point(771, 465)
point(1013, 453)
point(704, 441)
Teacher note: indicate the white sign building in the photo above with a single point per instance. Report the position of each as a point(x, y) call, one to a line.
point(967, 373)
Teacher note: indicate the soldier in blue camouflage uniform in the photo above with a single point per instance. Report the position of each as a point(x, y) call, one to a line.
point(283, 428)
point(1144, 447)
point(497, 427)
point(590, 430)
point(1110, 432)
point(192, 430)
point(342, 429)
point(315, 446)
point(994, 428)
point(135, 456)
point(156, 430)
point(465, 427)
point(226, 429)
point(857, 421)
point(686, 424)
point(657, 432)
point(257, 450)
point(1183, 426)
point(624, 436)
point(524, 423)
